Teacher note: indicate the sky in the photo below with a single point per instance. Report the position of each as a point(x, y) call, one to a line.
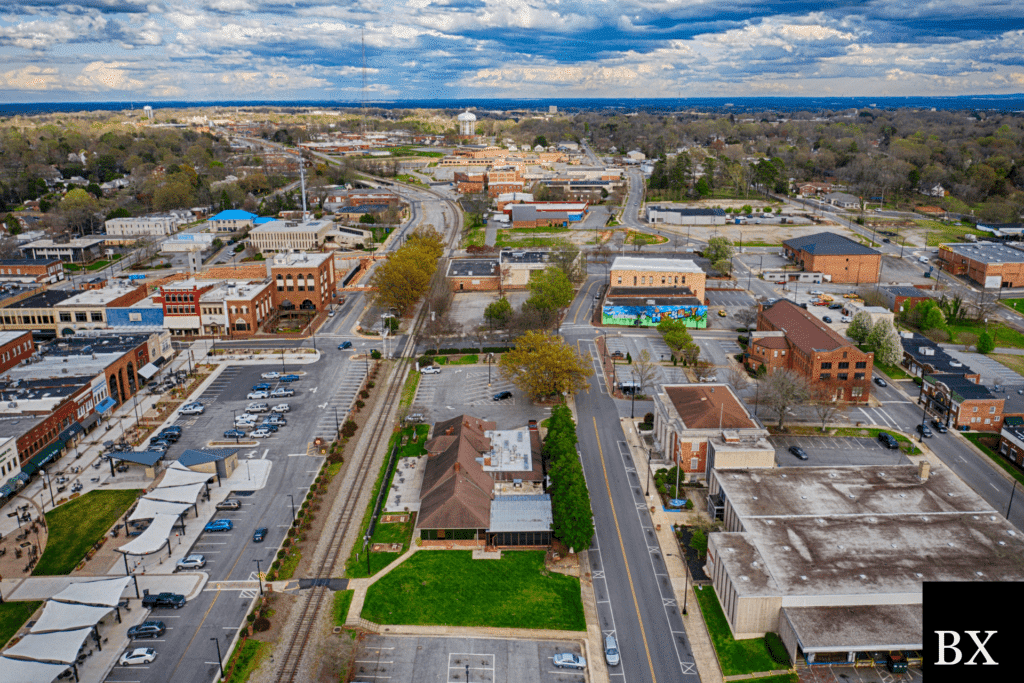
point(203, 50)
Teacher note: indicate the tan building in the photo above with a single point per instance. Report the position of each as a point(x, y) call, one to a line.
point(993, 266)
point(692, 419)
point(234, 307)
point(143, 226)
point(662, 273)
point(846, 261)
point(31, 270)
point(284, 236)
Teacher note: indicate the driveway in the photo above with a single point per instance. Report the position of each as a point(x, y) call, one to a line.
point(462, 389)
point(831, 451)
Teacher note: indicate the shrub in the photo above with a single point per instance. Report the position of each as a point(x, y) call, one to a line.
point(250, 617)
point(364, 393)
point(689, 504)
point(360, 404)
point(426, 359)
point(349, 428)
point(649, 418)
point(280, 554)
point(776, 649)
point(497, 349)
point(261, 624)
point(291, 532)
point(375, 354)
point(370, 385)
point(629, 358)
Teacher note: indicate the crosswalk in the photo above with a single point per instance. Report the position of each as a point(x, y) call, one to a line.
point(333, 410)
point(876, 415)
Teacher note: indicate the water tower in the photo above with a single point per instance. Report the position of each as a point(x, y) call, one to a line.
point(467, 124)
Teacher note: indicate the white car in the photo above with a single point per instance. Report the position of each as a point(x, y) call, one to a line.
point(140, 655)
point(190, 562)
point(281, 408)
point(256, 395)
point(430, 370)
point(245, 419)
point(846, 319)
point(270, 375)
point(567, 660)
point(192, 410)
point(282, 392)
point(260, 433)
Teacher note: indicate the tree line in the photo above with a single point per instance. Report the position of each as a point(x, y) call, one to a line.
point(572, 519)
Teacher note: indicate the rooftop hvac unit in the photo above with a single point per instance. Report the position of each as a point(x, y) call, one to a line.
point(12, 404)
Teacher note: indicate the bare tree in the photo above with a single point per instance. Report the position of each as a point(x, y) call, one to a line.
point(645, 369)
point(746, 317)
point(783, 389)
point(440, 328)
point(826, 407)
point(704, 370)
point(737, 378)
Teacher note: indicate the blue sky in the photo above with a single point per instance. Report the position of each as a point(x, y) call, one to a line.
point(97, 50)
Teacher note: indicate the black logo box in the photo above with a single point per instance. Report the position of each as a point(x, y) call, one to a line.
point(971, 632)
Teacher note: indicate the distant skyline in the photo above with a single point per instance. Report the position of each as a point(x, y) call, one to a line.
point(203, 50)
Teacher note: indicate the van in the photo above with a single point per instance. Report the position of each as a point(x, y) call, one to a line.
point(922, 259)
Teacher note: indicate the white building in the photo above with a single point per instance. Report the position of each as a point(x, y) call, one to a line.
point(143, 226)
point(290, 235)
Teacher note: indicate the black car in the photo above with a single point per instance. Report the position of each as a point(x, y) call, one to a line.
point(881, 382)
point(269, 426)
point(834, 307)
point(886, 240)
point(888, 440)
point(147, 629)
point(345, 345)
point(798, 452)
point(259, 534)
point(502, 395)
point(924, 430)
point(939, 427)
point(827, 319)
point(173, 428)
point(172, 437)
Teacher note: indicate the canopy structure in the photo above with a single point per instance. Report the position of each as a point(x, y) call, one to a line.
point(148, 370)
point(177, 494)
point(65, 616)
point(25, 671)
point(105, 405)
point(153, 538)
point(177, 474)
point(148, 509)
point(58, 647)
point(147, 458)
point(105, 592)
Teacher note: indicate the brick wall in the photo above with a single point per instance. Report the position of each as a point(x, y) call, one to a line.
point(475, 284)
point(15, 351)
point(318, 284)
point(642, 278)
point(852, 269)
point(685, 453)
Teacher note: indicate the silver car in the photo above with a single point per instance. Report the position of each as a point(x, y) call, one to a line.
point(190, 562)
point(611, 651)
point(567, 660)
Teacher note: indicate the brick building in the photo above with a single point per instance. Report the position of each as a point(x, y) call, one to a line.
point(302, 281)
point(232, 220)
point(848, 262)
point(470, 181)
point(235, 308)
point(691, 418)
point(922, 356)
point(14, 348)
point(902, 298)
point(640, 273)
point(830, 362)
point(32, 270)
point(1011, 441)
point(474, 275)
point(960, 402)
point(990, 265)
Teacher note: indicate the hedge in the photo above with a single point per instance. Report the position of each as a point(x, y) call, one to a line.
point(776, 649)
point(486, 349)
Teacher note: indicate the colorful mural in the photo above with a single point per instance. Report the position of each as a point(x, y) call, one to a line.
point(650, 316)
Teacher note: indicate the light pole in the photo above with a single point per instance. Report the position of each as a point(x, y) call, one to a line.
point(290, 496)
point(220, 661)
point(490, 356)
point(647, 492)
point(632, 395)
point(1008, 507)
point(50, 486)
point(259, 577)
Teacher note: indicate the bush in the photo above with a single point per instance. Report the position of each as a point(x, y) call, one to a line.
point(776, 649)
point(629, 358)
point(497, 349)
point(261, 624)
point(360, 404)
point(649, 418)
point(370, 385)
point(742, 340)
point(280, 554)
point(364, 394)
point(349, 428)
point(689, 504)
point(426, 359)
point(375, 354)
point(250, 617)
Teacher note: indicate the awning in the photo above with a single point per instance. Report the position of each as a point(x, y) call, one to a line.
point(177, 494)
point(149, 509)
point(147, 458)
point(88, 422)
point(59, 646)
point(6, 490)
point(21, 671)
point(148, 370)
point(153, 538)
point(177, 474)
point(44, 456)
point(159, 361)
point(103, 592)
point(63, 616)
point(105, 405)
point(71, 431)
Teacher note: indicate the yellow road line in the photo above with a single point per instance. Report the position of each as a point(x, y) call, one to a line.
point(629, 574)
point(197, 631)
point(580, 308)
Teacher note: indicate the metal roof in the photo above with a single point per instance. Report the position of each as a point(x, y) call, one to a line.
point(829, 244)
point(521, 513)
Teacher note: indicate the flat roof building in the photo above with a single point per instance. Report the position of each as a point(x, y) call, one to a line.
point(681, 216)
point(845, 260)
point(990, 265)
point(285, 236)
point(643, 273)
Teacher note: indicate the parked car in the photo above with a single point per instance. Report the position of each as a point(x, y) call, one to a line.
point(270, 375)
point(169, 437)
point(834, 307)
point(256, 395)
point(259, 534)
point(192, 410)
point(281, 408)
point(275, 419)
point(940, 427)
point(827, 319)
point(567, 660)
point(798, 452)
point(246, 417)
point(190, 562)
point(147, 629)
point(430, 370)
point(282, 392)
point(414, 417)
point(262, 386)
point(234, 434)
point(269, 426)
point(289, 378)
point(229, 504)
point(257, 408)
point(219, 525)
point(924, 430)
point(502, 395)
point(260, 433)
point(888, 440)
point(881, 382)
point(846, 319)
point(173, 429)
point(140, 655)
point(345, 345)
point(722, 313)
point(159, 447)
point(175, 600)
point(611, 651)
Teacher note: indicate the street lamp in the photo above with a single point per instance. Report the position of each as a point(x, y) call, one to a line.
point(290, 496)
point(490, 356)
point(259, 577)
point(50, 486)
point(632, 395)
point(220, 660)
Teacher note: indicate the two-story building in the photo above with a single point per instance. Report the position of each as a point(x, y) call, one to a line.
point(846, 261)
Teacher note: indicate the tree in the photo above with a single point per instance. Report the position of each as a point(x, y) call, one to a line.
point(405, 276)
point(80, 211)
point(572, 519)
point(12, 224)
point(826, 407)
point(550, 290)
point(544, 365)
point(783, 389)
point(718, 249)
point(565, 256)
point(885, 341)
point(699, 542)
point(540, 140)
point(746, 317)
point(498, 312)
point(645, 369)
point(367, 218)
point(704, 370)
point(860, 327)
point(985, 343)
point(737, 378)
point(440, 328)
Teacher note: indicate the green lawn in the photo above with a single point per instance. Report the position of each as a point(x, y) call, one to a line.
point(474, 237)
point(13, 616)
point(1012, 361)
point(940, 233)
point(893, 371)
point(988, 443)
point(76, 526)
point(1004, 337)
point(735, 656)
point(471, 359)
point(449, 587)
point(409, 390)
point(342, 601)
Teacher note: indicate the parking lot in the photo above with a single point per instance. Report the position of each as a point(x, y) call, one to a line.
point(829, 451)
point(991, 371)
point(398, 659)
point(463, 389)
point(468, 307)
point(729, 298)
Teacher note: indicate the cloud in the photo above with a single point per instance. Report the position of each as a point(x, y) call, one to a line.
point(30, 78)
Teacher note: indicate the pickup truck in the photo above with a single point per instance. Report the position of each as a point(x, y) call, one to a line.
point(175, 600)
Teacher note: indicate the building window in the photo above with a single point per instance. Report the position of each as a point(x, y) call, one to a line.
point(975, 409)
point(81, 317)
point(662, 279)
point(844, 354)
point(843, 376)
point(861, 365)
point(825, 376)
point(826, 366)
point(844, 366)
point(992, 409)
point(694, 462)
point(64, 318)
point(97, 316)
point(620, 280)
point(857, 392)
point(858, 375)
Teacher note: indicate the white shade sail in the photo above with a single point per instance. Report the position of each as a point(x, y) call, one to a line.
point(153, 538)
point(27, 671)
point(103, 592)
point(177, 474)
point(66, 616)
point(55, 647)
point(176, 494)
point(148, 509)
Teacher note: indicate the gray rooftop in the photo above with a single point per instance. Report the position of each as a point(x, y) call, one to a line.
point(470, 267)
point(521, 513)
point(988, 252)
point(903, 290)
point(828, 244)
point(870, 628)
point(46, 299)
point(689, 212)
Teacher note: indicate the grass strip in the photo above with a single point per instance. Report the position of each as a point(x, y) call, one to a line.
point(409, 390)
point(735, 656)
point(356, 565)
point(450, 587)
point(342, 601)
point(979, 439)
point(76, 526)
point(250, 654)
point(13, 616)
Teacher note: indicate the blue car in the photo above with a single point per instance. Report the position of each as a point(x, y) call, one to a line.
point(262, 386)
point(269, 426)
point(259, 535)
point(289, 378)
point(234, 434)
point(345, 345)
point(219, 525)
